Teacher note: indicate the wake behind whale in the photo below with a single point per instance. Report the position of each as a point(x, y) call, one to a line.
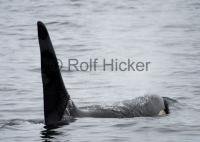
point(60, 109)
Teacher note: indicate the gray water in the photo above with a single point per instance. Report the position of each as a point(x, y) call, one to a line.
point(166, 33)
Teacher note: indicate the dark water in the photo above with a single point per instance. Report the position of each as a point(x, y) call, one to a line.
point(166, 33)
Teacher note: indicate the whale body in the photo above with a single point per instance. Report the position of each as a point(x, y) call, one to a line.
point(58, 106)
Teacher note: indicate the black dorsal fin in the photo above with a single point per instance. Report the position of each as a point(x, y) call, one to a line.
point(54, 92)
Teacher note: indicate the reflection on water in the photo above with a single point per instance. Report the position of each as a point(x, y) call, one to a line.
point(49, 134)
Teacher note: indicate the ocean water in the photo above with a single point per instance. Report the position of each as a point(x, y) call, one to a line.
point(165, 33)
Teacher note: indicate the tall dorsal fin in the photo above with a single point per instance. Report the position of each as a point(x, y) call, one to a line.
point(55, 94)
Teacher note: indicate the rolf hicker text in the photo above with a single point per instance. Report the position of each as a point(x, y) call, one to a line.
point(107, 65)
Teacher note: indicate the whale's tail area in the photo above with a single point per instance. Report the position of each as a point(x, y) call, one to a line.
point(55, 94)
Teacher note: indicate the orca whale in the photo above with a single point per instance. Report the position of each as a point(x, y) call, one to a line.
point(60, 109)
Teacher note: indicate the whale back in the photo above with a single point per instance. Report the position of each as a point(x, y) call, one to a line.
point(55, 95)
point(144, 106)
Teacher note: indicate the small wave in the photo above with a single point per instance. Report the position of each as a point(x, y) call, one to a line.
point(7, 89)
point(52, 23)
point(124, 125)
point(14, 122)
point(34, 70)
